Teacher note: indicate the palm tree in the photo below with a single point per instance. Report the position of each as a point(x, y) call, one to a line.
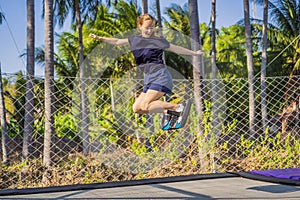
point(214, 68)
point(250, 67)
point(197, 68)
point(49, 80)
point(84, 99)
point(3, 123)
point(213, 39)
point(29, 102)
point(3, 116)
point(198, 79)
point(79, 8)
point(264, 111)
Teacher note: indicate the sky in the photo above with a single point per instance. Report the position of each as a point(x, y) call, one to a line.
point(13, 30)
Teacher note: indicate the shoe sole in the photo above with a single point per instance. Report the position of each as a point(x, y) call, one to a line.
point(186, 113)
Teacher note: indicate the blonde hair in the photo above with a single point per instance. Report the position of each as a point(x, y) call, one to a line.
point(140, 21)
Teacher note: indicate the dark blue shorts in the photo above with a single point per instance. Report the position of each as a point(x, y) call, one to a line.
point(156, 87)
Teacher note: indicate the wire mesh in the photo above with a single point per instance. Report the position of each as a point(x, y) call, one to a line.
point(121, 145)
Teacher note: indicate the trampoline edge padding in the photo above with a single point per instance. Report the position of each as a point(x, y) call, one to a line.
point(65, 188)
point(257, 177)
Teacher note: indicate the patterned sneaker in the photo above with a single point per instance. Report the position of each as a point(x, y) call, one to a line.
point(169, 121)
point(172, 120)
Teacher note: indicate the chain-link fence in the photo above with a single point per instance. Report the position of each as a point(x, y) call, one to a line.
point(120, 145)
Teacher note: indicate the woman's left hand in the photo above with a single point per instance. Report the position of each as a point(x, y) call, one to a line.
point(199, 53)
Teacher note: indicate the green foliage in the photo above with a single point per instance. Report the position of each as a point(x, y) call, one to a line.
point(270, 152)
point(109, 125)
point(66, 125)
point(14, 95)
point(231, 58)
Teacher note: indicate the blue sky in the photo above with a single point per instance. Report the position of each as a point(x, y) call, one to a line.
point(13, 33)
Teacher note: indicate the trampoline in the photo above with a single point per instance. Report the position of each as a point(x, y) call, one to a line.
point(268, 184)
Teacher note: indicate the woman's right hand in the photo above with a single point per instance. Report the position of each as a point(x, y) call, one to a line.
point(95, 36)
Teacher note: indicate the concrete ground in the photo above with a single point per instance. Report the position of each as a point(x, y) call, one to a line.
point(231, 187)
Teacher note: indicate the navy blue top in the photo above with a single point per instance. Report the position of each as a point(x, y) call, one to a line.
point(148, 55)
point(148, 50)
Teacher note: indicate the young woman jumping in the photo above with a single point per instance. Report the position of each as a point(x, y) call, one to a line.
point(148, 49)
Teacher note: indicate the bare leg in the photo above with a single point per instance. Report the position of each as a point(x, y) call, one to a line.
point(149, 103)
point(161, 106)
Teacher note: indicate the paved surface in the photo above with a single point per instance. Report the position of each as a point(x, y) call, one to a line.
point(219, 188)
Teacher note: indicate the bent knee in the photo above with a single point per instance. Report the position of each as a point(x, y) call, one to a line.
point(140, 109)
point(135, 109)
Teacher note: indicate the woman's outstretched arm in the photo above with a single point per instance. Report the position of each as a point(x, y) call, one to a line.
point(113, 41)
point(184, 51)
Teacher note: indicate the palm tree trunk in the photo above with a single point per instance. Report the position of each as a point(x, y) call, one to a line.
point(29, 102)
point(84, 99)
point(144, 6)
point(252, 121)
point(49, 81)
point(197, 72)
point(198, 82)
point(3, 123)
point(158, 17)
point(216, 124)
point(264, 111)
